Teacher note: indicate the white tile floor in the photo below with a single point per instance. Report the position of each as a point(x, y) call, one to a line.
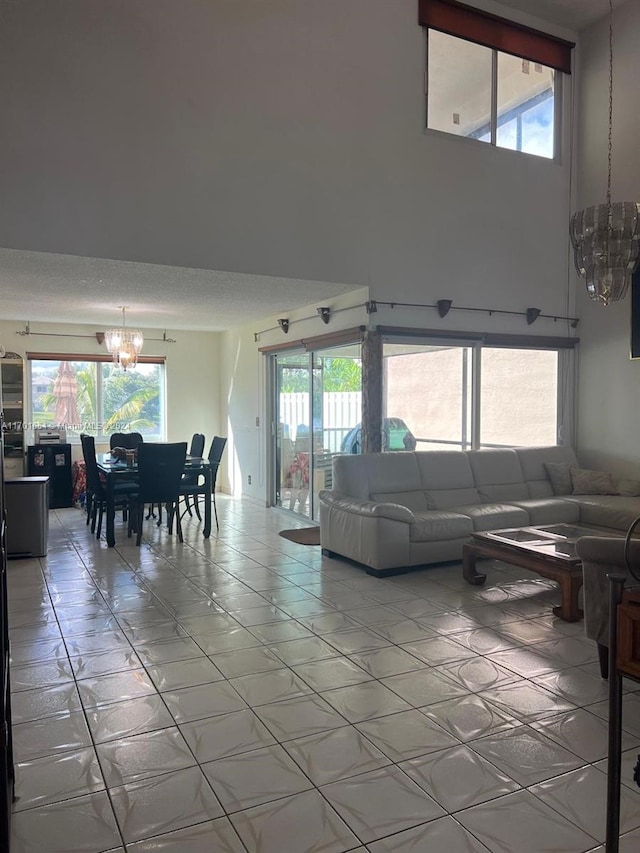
point(246, 694)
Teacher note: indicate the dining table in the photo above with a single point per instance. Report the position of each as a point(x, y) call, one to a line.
point(114, 471)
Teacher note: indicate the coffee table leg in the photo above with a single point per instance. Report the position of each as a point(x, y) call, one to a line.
point(469, 566)
point(570, 589)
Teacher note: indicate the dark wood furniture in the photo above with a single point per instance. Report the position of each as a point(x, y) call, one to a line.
point(197, 490)
point(548, 551)
point(160, 469)
point(96, 491)
point(53, 461)
point(196, 448)
point(624, 660)
point(128, 440)
point(115, 472)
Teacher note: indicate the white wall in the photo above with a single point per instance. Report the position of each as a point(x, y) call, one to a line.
point(609, 386)
point(192, 380)
point(282, 137)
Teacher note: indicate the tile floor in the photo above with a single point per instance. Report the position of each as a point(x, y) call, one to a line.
point(246, 694)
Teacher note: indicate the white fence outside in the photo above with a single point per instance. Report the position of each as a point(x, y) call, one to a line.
point(340, 412)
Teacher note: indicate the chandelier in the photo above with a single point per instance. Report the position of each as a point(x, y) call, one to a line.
point(125, 345)
point(606, 238)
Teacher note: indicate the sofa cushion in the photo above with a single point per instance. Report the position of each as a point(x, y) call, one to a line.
point(362, 476)
point(612, 511)
point(447, 498)
point(550, 510)
point(349, 477)
point(436, 525)
point(586, 482)
point(508, 492)
point(497, 475)
point(628, 488)
point(494, 516)
point(532, 461)
point(389, 473)
point(559, 474)
point(446, 478)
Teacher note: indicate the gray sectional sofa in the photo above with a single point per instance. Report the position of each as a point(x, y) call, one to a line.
point(393, 511)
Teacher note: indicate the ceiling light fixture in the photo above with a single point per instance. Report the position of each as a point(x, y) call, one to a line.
point(125, 345)
point(606, 238)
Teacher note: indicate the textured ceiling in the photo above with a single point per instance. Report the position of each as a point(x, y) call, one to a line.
point(37, 286)
point(68, 289)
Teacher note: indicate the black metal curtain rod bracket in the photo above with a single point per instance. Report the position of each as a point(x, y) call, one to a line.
point(326, 313)
point(444, 303)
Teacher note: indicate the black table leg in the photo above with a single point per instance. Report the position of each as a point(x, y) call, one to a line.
point(111, 513)
point(208, 480)
point(616, 584)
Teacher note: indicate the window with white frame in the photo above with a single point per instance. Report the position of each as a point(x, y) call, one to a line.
point(82, 394)
point(456, 395)
point(492, 80)
point(484, 94)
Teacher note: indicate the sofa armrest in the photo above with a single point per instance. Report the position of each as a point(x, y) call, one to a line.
point(373, 509)
point(608, 550)
point(601, 555)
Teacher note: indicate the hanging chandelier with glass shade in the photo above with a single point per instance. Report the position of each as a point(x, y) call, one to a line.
point(125, 345)
point(606, 238)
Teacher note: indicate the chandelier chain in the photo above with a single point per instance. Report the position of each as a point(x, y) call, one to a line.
point(606, 237)
point(610, 148)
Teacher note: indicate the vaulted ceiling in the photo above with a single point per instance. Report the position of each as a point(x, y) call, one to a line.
point(43, 286)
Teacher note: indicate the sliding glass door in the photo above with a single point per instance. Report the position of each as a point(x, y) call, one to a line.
point(437, 395)
point(316, 404)
point(293, 431)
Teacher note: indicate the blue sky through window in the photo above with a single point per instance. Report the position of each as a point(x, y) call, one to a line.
point(527, 127)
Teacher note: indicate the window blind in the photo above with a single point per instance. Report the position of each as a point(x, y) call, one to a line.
point(458, 19)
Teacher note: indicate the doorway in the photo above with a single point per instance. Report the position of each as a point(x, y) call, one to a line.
point(317, 401)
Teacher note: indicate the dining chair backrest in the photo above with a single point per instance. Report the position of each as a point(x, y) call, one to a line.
point(128, 440)
point(197, 445)
point(91, 463)
point(160, 469)
point(215, 455)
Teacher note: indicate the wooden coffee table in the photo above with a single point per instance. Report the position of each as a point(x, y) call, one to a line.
point(548, 551)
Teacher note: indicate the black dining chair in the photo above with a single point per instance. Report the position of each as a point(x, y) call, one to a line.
point(196, 449)
point(215, 455)
point(128, 440)
point(160, 469)
point(96, 489)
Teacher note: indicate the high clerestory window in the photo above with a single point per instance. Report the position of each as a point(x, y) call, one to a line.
point(492, 80)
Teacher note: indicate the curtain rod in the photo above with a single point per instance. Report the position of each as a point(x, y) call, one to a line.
point(324, 313)
point(27, 331)
point(443, 306)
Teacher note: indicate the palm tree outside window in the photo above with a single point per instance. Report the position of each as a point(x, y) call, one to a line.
point(97, 397)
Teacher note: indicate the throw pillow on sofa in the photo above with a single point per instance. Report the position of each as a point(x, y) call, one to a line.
point(586, 482)
point(560, 477)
